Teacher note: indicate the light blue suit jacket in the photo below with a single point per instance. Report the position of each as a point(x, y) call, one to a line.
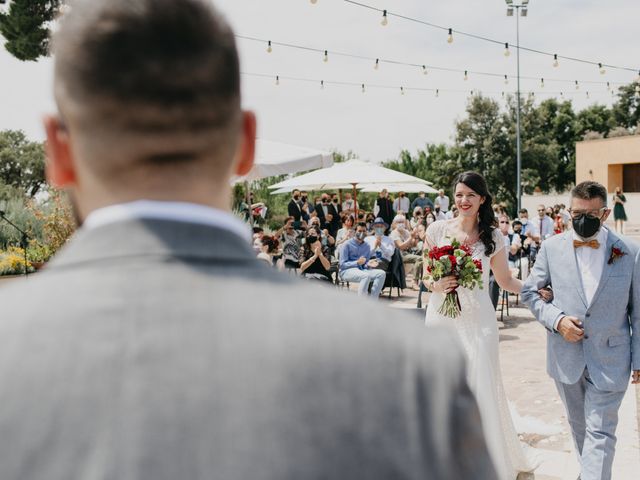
point(609, 349)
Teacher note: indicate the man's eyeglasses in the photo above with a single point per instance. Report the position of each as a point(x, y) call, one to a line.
point(575, 214)
point(504, 221)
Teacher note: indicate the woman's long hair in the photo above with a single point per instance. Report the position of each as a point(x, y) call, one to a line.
point(486, 218)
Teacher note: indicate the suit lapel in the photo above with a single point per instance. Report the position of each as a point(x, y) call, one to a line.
point(607, 268)
point(572, 266)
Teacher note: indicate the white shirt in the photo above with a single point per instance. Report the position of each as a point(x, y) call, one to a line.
point(174, 211)
point(590, 265)
point(401, 204)
point(547, 227)
point(443, 201)
point(387, 246)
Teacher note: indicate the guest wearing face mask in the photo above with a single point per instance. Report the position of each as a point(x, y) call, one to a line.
point(315, 257)
point(417, 217)
point(429, 218)
point(295, 206)
point(357, 265)
point(382, 247)
point(406, 241)
point(401, 205)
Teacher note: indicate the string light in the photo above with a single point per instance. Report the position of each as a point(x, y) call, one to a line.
point(325, 59)
point(321, 84)
point(437, 93)
point(587, 94)
point(502, 94)
point(313, 2)
point(602, 70)
point(450, 37)
point(377, 65)
point(271, 44)
point(608, 86)
point(384, 21)
point(506, 50)
point(277, 80)
point(401, 90)
point(506, 80)
point(577, 85)
point(555, 60)
point(363, 88)
point(424, 69)
point(269, 48)
point(542, 83)
point(466, 75)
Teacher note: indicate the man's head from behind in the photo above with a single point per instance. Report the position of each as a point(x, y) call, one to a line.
point(148, 93)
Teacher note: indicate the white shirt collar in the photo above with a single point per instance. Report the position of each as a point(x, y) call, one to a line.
point(174, 211)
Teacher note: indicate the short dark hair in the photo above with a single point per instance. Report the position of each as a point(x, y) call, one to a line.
point(523, 210)
point(361, 224)
point(589, 189)
point(156, 80)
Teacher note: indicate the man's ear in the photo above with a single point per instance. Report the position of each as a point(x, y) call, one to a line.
point(247, 148)
point(60, 169)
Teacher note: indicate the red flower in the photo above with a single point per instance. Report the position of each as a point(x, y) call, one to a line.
point(616, 253)
point(453, 260)
point(478, 263)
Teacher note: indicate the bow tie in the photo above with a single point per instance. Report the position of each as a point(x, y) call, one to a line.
point(590, 243)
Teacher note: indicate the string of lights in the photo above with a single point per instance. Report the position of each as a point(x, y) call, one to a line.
point(386, 14)
point(423, 68)
point(402, 90)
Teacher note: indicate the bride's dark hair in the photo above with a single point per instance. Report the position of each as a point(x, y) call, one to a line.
point(486, 218)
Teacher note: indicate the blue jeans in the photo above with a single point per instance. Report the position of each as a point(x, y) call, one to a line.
point(364, 278)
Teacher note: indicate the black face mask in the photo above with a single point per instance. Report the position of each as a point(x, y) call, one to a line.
point(586, 226)
point(303, 198)
point(296, 197)
point(312, 240)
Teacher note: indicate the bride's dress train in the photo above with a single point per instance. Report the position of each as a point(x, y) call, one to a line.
point(478, 331)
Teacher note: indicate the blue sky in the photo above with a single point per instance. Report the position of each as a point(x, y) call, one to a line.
point(378, 124)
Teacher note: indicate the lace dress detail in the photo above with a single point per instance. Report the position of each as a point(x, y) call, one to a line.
point(478, 331)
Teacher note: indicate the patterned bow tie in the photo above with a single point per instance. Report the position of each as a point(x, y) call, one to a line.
point(590, 243)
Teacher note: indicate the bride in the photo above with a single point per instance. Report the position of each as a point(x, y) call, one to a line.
point(476, 325)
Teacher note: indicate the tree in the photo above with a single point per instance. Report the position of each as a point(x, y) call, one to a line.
point(626, 110)
point(595, 118)
point(25, 28)
point(21, 162)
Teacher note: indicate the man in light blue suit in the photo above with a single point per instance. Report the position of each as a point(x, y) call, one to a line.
point(593, 324)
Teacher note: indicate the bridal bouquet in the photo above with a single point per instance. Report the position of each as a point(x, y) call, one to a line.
point(456, 260)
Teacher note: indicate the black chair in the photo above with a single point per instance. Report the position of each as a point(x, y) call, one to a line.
point(395, 274)
point(422, 290)
point(504, 302)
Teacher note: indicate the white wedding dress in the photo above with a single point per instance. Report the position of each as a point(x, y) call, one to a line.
point(478, 331)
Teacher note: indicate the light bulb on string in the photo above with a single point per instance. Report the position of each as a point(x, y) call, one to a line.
point(608, 87)
point(377, 65)
point(555, 60)
point(424, 70)
point(321, 84)
point(277, 80)
point(437, 92)
point(450, 37)
point(384, 21)
point(502, 94)
point(506, 50)
point(506, 80)
point(363, 88)
point(577, 85)
point(466, 75)
point(561, 94)
point(602, 69)
point(542, 83)
point(401, 90)
point(313, 2)
point(269, 48)
point(325, 58)
point(588, 95)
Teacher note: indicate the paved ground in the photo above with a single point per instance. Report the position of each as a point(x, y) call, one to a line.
point(536, 407)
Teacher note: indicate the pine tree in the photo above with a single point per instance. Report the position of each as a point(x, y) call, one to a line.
point(25, 27)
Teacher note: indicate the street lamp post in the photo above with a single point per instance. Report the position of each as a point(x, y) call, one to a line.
point(520, 9)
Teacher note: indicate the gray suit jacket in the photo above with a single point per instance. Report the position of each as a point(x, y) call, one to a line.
point(610, 349)
point(164, 350)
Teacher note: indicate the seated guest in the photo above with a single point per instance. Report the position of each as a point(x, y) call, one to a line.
point(346, 232)
point(315, 257)
point(429, 218)
point(417, 217)
point(357, 265)
point(382, 247)
point(258, 233)
point(268, 249)
point(369, 223)
point(406, 241)
point(291, 243)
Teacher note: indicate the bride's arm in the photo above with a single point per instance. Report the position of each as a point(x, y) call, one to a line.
point(502, 273)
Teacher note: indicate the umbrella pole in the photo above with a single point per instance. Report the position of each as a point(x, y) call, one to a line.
point(355, 203)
